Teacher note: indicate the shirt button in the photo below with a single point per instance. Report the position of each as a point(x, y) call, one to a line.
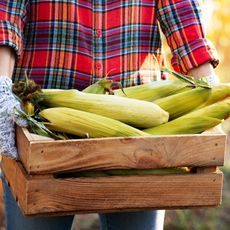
point(98, 33)
point(98, 66)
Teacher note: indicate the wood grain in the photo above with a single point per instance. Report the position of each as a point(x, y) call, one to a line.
point(45, 195)
point(49, 156)
point(16, 181)
point(23, 140)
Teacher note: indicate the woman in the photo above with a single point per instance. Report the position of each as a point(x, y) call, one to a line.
point(72, 44)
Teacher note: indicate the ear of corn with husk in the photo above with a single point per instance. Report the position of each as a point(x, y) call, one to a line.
point(184, 102)
point(184, 125)
point(200, 104)
point(84, 124)
point(218, 93)
point(137, 113)
point(196, 121)
point(121, 172)
point(220, 110)
point(153, 90)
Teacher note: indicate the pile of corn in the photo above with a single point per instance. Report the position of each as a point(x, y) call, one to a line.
point(164, 107)
point(157, 108)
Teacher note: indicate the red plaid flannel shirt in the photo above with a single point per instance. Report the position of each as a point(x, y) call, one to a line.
point(71, 44)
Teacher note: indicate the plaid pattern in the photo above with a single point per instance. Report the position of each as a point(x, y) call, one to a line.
point(73, 43)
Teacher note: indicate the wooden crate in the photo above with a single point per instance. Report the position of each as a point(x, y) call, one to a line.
point(38, 184)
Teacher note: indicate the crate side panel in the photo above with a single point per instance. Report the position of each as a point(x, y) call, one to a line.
point(16, 180)
point(111, 194)
point(23, 145)
point(123, 153)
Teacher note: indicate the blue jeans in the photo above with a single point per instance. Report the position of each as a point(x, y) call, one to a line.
point(144, 220)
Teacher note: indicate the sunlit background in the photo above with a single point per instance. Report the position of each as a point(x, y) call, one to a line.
point(216, 14)
point(217, 19)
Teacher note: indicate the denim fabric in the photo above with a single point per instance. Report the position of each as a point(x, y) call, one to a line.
point(145, 220)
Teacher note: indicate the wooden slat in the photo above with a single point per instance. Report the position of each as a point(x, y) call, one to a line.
point(46, 195)
point(23, 140)
point(16, 180)
point(47, 156)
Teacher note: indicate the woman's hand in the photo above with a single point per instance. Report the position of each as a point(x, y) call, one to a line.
point(9, 106)
point(205, 70)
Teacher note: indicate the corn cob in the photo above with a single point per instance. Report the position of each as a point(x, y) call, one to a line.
point(219, 110)
point(136, 113)
point(153, 90)
point(184, 125)
point(218, 93)
point(84, 124)
point(196, 121)
point(184, 102)
point(121, 172)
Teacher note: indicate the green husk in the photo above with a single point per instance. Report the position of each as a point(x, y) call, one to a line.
point(39, 128)
point(129, 172)
point(219, 110)
point(184, 102)
point(218, 93)
point(196, 121)
point(153, 90)
point(102, 86)
point(137, 113)
point(84, 124)
point(185, 125)
point(188, 79)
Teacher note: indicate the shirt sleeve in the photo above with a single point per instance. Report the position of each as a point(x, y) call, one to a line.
point(12, 20)
point(181, 23)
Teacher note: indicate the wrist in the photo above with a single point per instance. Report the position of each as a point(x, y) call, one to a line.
point(206, 72)
point(201, 71)
point(212, 79)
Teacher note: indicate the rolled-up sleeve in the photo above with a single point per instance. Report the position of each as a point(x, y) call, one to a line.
point(181, 22)
point(12, 20)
